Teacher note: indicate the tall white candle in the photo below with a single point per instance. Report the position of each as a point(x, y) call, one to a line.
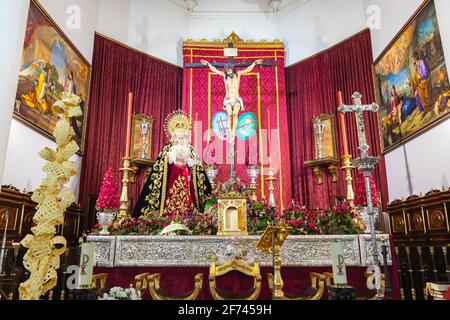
point(337, 258)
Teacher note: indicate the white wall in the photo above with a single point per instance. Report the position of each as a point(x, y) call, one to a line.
point(318, 25)
point(13, 16)
point(113, 19)
point(23, 168)
point(157, 29)
point(424, 162)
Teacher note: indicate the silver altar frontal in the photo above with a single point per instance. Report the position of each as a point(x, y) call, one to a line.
point(196, 251)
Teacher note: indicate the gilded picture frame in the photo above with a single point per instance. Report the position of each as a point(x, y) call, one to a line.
point(51, 64)
point(411, 80)
point(328, 136)
point(141, 139)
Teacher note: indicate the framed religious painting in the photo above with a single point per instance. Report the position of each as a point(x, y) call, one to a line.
point(141, 139)
point(324, 136)
point(411, 80)
point(50, 65)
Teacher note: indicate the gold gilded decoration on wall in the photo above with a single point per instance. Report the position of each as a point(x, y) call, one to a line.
point(44, 249)
point(236, 41)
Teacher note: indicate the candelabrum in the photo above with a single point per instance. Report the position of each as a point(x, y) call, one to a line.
point(319, 127)
point(211, 173)
point(271, 179)
point(126, 170)
point(253, 172)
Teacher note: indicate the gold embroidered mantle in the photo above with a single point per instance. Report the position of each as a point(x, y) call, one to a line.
point(154, 194)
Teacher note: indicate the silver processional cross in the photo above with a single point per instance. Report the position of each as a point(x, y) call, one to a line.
point(358, 108)
point(366, 165)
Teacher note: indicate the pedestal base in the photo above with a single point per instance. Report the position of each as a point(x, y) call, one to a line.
point(82, 294)
point(341, 293)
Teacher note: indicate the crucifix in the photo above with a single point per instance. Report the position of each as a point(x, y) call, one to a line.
point(366, 165)
point(233, 103)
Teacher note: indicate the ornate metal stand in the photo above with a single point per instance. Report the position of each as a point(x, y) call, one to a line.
point(387, 276)
point(366, 165)
point(341, 293)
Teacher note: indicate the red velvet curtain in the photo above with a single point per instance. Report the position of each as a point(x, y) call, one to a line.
point(156, 87)
point(311, 90)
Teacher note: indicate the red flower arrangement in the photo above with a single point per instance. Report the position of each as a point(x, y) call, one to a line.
point(300, 219)
point(338, 220)
point(360, 192)
point(154, 223)
point(259, 216)
point(109, 196)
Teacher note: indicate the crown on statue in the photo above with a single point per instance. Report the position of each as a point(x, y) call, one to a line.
point(178, 123)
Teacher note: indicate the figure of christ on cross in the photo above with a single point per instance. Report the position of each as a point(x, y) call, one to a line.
point(232, 102)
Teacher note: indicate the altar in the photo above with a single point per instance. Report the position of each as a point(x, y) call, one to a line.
point(208, 203)
point(179, 258)
point(196, 251)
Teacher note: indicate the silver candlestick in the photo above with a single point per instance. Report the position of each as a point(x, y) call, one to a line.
point(319, 127)
point(366, 165)
point(253, 172)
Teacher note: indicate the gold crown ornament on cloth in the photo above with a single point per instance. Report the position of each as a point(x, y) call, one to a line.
point(178, 123)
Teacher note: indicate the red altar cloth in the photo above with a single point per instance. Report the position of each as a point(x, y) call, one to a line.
point(181, 279)
point(264, 94)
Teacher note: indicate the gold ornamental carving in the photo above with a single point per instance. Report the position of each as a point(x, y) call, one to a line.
point(232, 215)
point(44, 249)
point(236, 41)
point(398, 224)
point(436, 219)
point(218, 270)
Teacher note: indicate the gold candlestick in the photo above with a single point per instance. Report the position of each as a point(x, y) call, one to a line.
point(347, 166)
point(124, 195)
point(271, 178)
point(253, 196)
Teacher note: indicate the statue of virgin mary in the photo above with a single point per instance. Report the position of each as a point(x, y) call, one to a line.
point(178, 182)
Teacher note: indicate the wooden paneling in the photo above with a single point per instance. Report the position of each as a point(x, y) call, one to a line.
point(420, 227)
point(421, 219)
point(21, 210)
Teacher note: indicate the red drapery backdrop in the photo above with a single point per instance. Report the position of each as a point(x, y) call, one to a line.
point(311, 90)
point(263, 93)
point(156, 87)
